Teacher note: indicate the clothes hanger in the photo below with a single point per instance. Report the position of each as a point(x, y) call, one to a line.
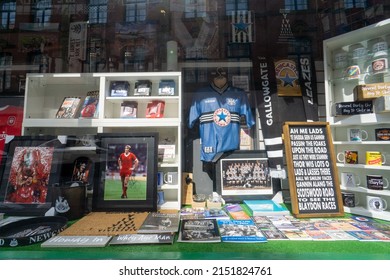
point(220, 80)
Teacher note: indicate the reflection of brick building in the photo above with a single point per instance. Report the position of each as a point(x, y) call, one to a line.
point(131, 35)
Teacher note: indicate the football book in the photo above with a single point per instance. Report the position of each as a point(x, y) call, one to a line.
point(265, 207)
point(76, 241)
point(69, 108)
point(160, 223)
point(147, 238)
point(272, 233)
point(199, 230)
point(90, 108)
point(216, 213)
point(203, 213)
point(240, 231)
point(236, 212)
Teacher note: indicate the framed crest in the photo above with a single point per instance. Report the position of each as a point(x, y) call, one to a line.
point(30, 167)
point(126, 177)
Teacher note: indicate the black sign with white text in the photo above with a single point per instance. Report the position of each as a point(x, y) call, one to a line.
point(313, 185)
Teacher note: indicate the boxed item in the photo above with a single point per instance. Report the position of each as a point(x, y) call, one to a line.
point(371, 91)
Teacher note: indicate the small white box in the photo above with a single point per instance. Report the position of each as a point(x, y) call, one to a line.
point(382, 104)
point(166, 153)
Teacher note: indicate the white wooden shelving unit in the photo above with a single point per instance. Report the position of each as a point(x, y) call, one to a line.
point(338, 88)
point(45, 93)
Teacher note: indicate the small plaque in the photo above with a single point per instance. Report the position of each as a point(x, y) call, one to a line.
point(353, 108)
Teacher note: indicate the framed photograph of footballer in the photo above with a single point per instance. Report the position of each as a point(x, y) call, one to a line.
point(30, 168)
point(126, 177)
point(243, 175)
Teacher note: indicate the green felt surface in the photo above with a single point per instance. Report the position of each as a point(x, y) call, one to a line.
point(272, 250)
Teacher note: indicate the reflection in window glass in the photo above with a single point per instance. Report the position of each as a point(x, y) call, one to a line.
point(5, 72)
point(195, 8)
point(349, 4)
point(8, 13)
point(295, 4)
point(98, 11)
point(135, 10)
point(236, 5)
point(42, 11)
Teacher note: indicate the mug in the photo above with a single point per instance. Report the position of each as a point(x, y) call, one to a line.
point(349, 179)
point(340, 59)
point(349, 199)
point(349, 157)
point(382, 134)
point(171, 178)
point(160, 179)
point(375, 158)
point(377, 182)
point(357, 134)
point(376, 203)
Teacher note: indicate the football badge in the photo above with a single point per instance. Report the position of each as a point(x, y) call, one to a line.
point(221, 117)
point(287, 78)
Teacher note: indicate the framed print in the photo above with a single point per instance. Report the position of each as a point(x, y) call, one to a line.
point(126, 177)
point(244, 175)
point(30, 169)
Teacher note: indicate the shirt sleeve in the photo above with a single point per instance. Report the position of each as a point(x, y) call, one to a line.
point(246, 111)
point(194, 113)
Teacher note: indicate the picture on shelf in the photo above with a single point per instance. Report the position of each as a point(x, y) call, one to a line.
point(90, 105)
point(30, 170)
point(69, 108)
point(126, 177)
point(81, 169)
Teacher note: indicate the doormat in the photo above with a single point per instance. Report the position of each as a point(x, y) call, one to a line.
point(107, 224)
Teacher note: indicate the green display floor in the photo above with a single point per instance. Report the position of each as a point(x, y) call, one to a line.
point(271, 250)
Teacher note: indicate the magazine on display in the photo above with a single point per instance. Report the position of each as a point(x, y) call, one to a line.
point(236, 212)
point(160, 223)
point(68, 108)
point(240, 231)
point(199, 230)
point(90, 107)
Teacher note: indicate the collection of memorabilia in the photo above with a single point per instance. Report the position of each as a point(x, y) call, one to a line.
point(200, 225)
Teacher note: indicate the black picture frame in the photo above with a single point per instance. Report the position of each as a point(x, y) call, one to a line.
point(250, 184)
point(30, 168)
point(142, 187)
